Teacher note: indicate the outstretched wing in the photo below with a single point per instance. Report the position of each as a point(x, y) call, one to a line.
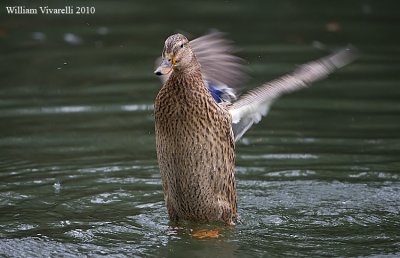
point(251, 107)
point(219, 64)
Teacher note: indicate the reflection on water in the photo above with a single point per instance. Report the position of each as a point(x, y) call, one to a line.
point(318, 177)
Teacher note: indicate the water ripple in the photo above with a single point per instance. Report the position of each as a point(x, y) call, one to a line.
point(280, 156)
point(75, 109)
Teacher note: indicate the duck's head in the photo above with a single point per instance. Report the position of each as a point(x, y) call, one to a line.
point(177, 54)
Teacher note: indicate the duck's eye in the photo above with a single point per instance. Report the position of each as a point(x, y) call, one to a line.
point(181, 45)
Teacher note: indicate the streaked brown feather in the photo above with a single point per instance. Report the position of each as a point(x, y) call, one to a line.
point(195, 150)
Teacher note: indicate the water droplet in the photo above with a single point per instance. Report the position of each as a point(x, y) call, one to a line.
point(57, 187)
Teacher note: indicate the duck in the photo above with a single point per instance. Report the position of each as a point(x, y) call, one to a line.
point(231, 73)
point(199, 118)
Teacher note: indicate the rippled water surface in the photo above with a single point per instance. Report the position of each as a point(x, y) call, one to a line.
point(320, 176)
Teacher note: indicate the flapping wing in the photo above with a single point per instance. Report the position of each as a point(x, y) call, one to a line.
point(251, 107)
point(219, 64)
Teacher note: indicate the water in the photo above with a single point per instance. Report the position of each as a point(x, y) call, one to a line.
point(320, 176)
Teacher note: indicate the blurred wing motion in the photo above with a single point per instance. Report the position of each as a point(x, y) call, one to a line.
point(222, 70)
point(219, 65)
point(251, 107)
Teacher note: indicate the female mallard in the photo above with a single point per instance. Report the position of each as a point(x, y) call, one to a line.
point(196, 134)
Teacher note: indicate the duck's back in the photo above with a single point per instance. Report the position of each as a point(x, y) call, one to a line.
point(195, 150)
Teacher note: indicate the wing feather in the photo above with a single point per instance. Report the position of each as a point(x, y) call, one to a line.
point(251, 107)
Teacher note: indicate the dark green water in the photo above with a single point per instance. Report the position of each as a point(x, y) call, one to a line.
point(320, 176)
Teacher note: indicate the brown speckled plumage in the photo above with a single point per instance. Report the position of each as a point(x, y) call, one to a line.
point(195, 136)
point(195, 148)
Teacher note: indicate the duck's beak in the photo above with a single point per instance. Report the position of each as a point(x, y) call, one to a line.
point(166, 65)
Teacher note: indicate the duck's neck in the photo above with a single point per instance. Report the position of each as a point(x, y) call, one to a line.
point(188, 70)
point(188, 78)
